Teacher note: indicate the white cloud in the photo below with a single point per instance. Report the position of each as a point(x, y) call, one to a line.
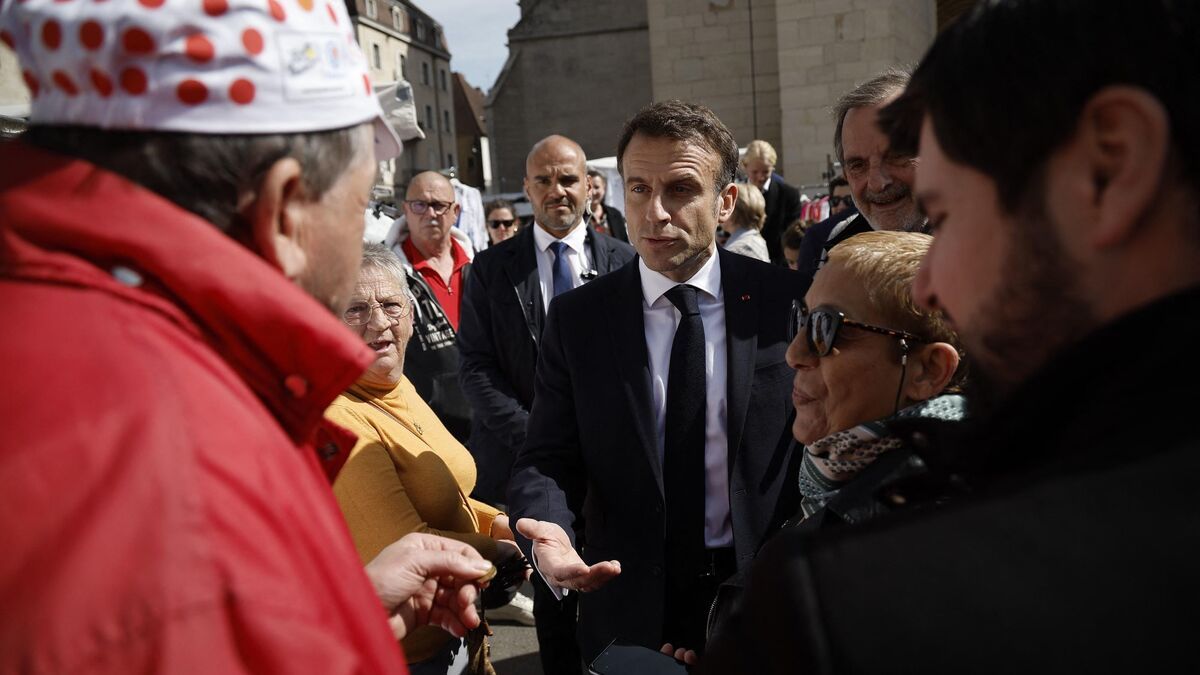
point(477, 34)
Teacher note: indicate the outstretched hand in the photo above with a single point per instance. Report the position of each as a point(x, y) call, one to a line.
point(425, 579)
point(557, 560)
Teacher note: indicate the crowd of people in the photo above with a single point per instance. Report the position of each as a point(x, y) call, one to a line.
point(938, 431)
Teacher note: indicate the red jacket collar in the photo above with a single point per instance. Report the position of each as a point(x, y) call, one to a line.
point(70, 221)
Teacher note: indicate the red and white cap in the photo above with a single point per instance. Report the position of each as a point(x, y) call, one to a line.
point(198, 66)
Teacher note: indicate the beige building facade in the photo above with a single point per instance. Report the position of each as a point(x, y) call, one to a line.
point(574, 68)
point(771, 69)
point(14, 96)
point(402, 42)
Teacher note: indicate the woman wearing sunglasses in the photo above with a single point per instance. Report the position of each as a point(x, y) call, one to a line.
point(865, 355)
point(502, 221)
point(866, 360)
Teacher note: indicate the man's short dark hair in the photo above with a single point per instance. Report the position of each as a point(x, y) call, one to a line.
point(206, 174)
point(1003, 106)
point(682, 121)
point(870, 93)
point(838, 182)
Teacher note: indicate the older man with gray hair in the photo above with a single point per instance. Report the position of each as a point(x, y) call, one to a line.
point(880, 179)
point(175, 228)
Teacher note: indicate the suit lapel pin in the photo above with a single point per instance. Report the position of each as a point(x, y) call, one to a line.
point(745, 297)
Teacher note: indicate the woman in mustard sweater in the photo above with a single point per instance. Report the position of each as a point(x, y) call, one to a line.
point(407, 473)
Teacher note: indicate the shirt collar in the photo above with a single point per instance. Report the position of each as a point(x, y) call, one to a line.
point(575, 239)
point(707, 279)
point(766, 185)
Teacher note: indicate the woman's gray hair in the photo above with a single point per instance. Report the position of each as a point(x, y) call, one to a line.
point(383, 259)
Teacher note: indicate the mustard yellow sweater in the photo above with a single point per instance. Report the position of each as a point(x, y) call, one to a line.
point(398, 481)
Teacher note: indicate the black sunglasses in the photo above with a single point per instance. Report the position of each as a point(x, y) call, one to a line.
point(838, 201)
point(495, 224)
point(821, 327)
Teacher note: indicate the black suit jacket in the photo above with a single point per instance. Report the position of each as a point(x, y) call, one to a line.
point(500, 324)
point(783, 209)
point(591, 450)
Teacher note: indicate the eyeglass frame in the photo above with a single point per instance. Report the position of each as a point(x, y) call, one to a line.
point(502, 222)
point(404, 313)
point(802, 317)
point(848, 200)
point(420, 206)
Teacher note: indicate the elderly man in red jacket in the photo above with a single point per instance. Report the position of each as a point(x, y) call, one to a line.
point(175, 227)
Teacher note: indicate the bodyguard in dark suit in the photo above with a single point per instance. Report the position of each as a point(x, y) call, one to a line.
point(662, 402)
point(503, 311)
point(783, 200)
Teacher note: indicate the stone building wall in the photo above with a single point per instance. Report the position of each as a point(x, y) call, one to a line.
point(827, 47)
point(573, 70)
point(722, 54)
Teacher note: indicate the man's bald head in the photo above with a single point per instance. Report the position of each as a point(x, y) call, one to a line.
point(557, 147)
point(556, 184)
point(430, 180)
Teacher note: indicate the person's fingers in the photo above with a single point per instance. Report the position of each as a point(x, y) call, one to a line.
point(449, 563)
point(667, 649)
point(582, 578)
point(539, 530)
point(690, 657)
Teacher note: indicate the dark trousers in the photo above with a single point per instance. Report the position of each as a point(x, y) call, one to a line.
point(690, 596)
point(556, 621)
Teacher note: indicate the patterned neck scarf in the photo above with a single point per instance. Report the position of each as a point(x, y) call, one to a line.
point(835, 460)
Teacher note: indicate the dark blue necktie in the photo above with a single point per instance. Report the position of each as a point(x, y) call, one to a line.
point(683, 437)
point(561, 270)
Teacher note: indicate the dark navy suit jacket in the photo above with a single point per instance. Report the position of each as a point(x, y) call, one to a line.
point(591, 450)
point(499, 328)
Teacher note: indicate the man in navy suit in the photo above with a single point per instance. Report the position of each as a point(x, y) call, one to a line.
point(503, 310)
point(662, 402)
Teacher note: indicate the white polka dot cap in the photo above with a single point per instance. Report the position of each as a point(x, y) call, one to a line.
point(199, 66)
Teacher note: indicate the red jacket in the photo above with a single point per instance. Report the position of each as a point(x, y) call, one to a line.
point(162, 504)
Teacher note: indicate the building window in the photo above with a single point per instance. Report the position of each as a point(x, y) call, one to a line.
point(449, 160)
point(403, 66)
point(424, 73)
point(420, 30)
point(375, 55)
point(371, 8)
point(429, 118)
point(443, 74)
point(446, 119)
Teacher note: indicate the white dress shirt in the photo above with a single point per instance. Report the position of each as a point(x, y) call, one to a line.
point(576, 256)
point(661, 320)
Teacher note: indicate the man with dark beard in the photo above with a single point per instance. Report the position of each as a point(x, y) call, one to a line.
point(880, 179)
point(1067, 254)
point(504, 309)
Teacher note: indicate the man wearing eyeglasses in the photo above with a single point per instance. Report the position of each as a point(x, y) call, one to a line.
point(879, 180)
point(438, 257)
point(508, 293)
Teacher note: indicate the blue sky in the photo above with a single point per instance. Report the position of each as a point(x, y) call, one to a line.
point(477, 31)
